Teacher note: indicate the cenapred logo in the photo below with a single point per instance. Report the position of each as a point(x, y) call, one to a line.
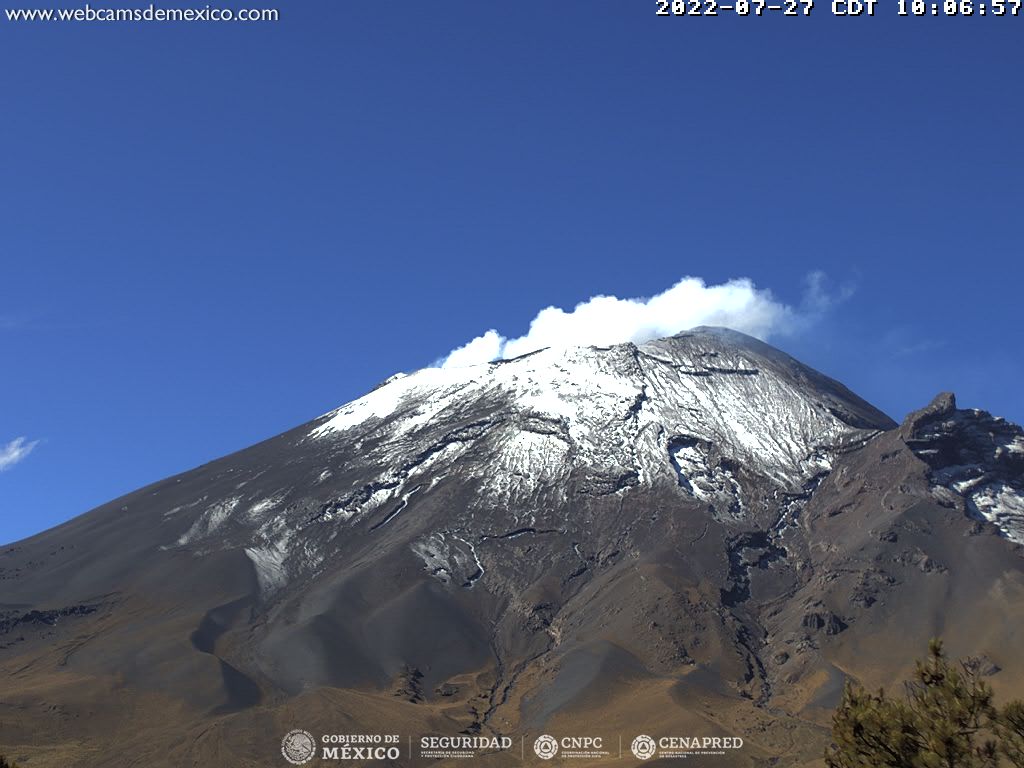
point(545, 747)
point(643, 747)
point(298, 746)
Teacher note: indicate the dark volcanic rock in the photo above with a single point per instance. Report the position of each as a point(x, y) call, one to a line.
point(825, 620)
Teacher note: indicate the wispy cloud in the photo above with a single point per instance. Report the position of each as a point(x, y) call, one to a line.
point(15, 451)
point(819, 298)
point(906, 341)
point(604, 320)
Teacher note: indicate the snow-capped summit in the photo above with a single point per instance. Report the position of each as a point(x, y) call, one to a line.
point(629, 414)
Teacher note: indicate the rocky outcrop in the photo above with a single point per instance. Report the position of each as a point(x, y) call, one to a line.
point(976, 456)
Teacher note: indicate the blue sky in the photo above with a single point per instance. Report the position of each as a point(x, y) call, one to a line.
point(210, 233)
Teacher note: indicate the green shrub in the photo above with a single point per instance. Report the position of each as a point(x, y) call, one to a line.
point(946, 719)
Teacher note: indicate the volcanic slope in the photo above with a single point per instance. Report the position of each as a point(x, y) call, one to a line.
point(697, 536)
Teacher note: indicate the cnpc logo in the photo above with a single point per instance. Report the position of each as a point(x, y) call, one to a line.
point(546, 747)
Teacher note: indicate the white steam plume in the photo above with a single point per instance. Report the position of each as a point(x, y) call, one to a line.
point(606, 320)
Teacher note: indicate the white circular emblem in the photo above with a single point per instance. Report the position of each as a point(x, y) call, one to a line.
point(298, 746)
point(643, 747)
point(546, 747)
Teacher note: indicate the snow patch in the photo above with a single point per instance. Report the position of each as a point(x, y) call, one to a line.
point(435, 553)
point(268, 562)
point(449, 558)
point(715, 485)
point(210, 520)
point(1002, 505)
point(258, 511)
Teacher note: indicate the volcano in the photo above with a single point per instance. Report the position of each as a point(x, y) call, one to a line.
point(697, 536)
